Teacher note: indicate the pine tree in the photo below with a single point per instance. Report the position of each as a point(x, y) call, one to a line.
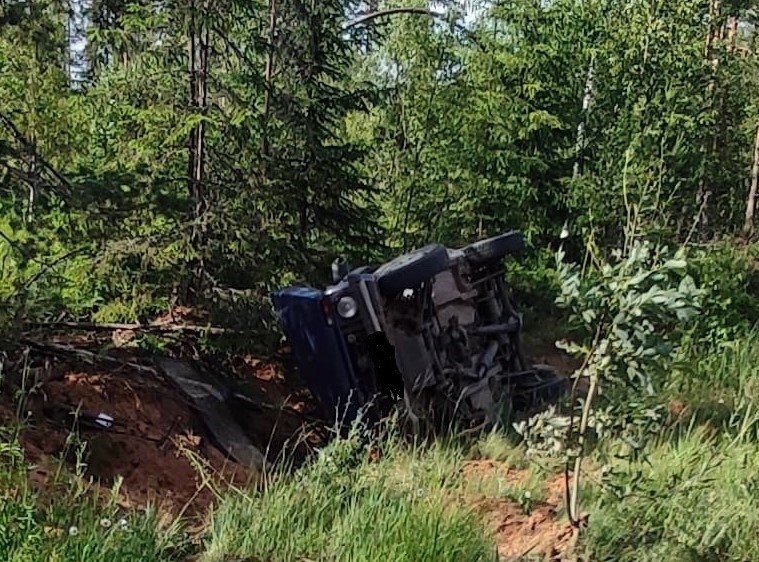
point(310, 171)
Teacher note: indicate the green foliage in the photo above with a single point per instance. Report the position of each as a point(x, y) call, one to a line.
point(345, 506)
point(692, 499)
point(618, 120)
point(440, 129)
point(118, 144)
point(497, 446)
point(76, 525)
point(715, 382)
point(626, 309)
point(727, 275)
point(629, 311)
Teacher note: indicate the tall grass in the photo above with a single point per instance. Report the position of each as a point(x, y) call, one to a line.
point(695, 494)
point(721, 375)
point(351, 505)
point(695, 499)
point(72, 523)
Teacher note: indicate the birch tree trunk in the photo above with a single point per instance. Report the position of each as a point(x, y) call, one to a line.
point(587, 99)
point(198, 39)
point(748, 225)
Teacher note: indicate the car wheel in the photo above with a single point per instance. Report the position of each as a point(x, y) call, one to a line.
point(495, 248)
point(412, 269)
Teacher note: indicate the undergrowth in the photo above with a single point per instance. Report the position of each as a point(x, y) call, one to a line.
point(696, 498)
point(360, 499)
point(71, 522)
point(360, 502)
point(688, 493)
point(694, 495)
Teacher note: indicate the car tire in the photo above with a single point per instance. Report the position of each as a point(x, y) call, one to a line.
point(495, 248)
point(412, 269)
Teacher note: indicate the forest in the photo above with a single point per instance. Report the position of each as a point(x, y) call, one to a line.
point(166, 165)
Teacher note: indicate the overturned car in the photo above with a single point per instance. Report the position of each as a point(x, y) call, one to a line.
point(435, 327)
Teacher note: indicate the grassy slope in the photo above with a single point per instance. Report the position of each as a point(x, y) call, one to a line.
point(358, 502)
point(354, 502)
point(694, 497)
point(72, 523)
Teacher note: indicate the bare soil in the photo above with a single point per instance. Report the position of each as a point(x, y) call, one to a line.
point(157, 445)
point(159, 450)
point(542, 534)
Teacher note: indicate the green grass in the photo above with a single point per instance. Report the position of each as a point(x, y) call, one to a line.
point(695, 499)
point(715, 380)
point(497, 446)
point(695, 494)
point(72, 523)
point(407, 503)
point(345, 506)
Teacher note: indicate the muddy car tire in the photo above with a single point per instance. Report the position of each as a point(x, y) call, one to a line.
point(495, 248)
point(412, 269)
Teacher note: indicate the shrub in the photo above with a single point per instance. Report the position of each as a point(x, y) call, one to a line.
point(727, 275)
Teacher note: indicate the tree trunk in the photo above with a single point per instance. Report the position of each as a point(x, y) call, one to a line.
point(268, 80)
point(748, 225)
point(198, 39)
point(732, 33)
point(33, 181)
point(192, 151)
point(709, 144)
point(587, 99)
point(67, 60)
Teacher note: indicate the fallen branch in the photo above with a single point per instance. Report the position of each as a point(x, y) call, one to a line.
point(284, 407)
point(86, 356)
point(48, 266)
point(31, 148)
point(161, 328)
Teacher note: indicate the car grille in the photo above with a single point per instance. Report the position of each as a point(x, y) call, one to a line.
point(351, 326)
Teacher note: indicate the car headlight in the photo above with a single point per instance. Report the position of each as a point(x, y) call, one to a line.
point(347, 307)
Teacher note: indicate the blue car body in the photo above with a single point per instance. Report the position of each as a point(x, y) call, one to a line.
point(317, 345)
point(327, 346)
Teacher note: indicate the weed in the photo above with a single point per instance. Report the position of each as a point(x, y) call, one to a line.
point(497, 446)
point(346, 506)
point(694, 495)
point(694, 499)
point(77, 525)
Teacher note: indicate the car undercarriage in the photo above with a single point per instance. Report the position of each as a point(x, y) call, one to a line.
point(436, 327)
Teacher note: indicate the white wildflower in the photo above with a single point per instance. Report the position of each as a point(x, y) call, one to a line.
point(73, 531)
point(105, 523)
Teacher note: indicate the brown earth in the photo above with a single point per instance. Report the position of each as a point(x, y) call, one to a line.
point(159, 450)
point(157, 445)
point(542, 534)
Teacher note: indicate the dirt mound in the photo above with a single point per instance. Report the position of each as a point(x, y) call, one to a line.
point(542, 533)
point(139, 430)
